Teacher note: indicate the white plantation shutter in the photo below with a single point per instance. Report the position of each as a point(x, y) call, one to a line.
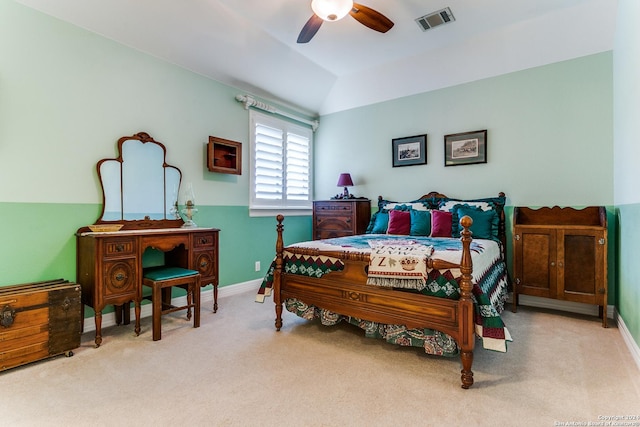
point(281, 164)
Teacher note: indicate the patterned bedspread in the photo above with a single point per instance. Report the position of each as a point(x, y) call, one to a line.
point(489, 288)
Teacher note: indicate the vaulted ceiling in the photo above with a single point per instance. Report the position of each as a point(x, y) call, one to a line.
point(251, 44)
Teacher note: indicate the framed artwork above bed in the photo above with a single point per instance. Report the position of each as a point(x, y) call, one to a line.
point(466, 148)
point(409, 151)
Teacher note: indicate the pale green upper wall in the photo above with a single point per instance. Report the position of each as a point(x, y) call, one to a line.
point(67, 95)
point(549, 138)
point(626, 60)
point(626, 66)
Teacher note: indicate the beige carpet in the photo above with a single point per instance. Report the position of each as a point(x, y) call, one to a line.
point(236, 370)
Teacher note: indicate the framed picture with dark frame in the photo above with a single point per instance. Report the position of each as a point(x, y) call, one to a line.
point(409, 151)
point(466, 148)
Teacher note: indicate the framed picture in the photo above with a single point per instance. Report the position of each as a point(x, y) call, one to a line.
point(466, 148)
point(409, 151)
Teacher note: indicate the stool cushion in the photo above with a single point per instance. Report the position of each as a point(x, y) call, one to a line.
point(166, 273)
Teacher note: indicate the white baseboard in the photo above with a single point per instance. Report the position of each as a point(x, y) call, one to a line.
point(206, 301)
point(633, 347)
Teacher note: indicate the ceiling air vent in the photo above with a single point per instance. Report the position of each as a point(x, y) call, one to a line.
point(434, 19)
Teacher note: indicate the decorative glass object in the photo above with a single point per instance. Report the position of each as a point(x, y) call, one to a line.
point(188, 206)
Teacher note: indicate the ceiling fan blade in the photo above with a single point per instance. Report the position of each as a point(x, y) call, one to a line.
point(310, 29)
point(371, 18)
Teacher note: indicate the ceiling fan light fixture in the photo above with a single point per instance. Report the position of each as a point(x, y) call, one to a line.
point(331, 10)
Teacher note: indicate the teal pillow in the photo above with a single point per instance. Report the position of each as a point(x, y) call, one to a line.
point(420, 223)
point(379, 223)
point(485, 223)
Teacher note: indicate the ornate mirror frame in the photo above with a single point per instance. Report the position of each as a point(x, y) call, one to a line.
point(139, 188)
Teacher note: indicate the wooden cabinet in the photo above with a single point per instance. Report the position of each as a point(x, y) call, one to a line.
point(224, 156)
point(338, 218)
point(561, 253)
point(109, 264)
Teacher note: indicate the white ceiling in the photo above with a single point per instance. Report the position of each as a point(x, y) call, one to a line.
point(251, 44)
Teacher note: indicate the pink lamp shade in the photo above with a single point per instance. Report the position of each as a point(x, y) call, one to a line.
point(345, 181)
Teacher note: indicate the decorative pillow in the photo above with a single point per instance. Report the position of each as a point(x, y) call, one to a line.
point(441, 223)
point(404, 206)
point(378, 224)
point(485, 223)
point(399, 222)
point(420, 223)
point(492, 206)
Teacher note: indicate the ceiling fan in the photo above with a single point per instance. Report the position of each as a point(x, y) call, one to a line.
point(333, 10)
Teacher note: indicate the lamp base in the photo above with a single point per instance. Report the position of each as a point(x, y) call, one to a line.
point(189, 224)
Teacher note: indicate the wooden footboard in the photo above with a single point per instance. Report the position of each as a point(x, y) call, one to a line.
point(345, 292)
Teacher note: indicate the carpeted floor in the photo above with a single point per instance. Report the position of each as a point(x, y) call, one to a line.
point(236, 370)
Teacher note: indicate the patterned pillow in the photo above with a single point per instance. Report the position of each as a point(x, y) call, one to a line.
point(387, 205)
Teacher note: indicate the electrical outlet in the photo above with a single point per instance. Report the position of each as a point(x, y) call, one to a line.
point(257, 265)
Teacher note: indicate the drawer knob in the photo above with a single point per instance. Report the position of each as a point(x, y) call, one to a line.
point(203, 240)
point(120, 277)
point(7, 316)
point(120, 247)
point(203, 264)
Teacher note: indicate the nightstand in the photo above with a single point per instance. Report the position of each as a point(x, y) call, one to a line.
point(338, 218)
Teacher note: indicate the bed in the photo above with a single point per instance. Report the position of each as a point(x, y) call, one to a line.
point(410, 279)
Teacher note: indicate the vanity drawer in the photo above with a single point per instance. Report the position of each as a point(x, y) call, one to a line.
point(119, 247)
point(203, 240)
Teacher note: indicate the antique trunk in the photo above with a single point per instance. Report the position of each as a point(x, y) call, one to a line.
point(39, 320)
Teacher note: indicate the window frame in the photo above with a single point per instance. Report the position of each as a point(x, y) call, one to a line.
point(264, 207)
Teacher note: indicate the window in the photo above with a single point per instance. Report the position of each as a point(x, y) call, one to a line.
point(280, 165)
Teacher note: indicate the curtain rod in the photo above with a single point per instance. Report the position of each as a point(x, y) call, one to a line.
point(251, 102)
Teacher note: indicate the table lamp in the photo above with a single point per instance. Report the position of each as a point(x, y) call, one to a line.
point(345, 181)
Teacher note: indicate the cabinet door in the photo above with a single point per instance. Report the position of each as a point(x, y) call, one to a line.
point(205, 257)
point(535, 261)
point(581, 265)
point(120, 280)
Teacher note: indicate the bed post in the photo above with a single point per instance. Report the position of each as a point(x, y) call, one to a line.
point(277, 272)
point(466, 306)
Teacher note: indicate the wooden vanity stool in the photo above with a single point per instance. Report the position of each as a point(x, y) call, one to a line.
point(161, 280)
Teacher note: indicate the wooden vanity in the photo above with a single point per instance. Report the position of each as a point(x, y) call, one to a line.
point(141, 196)
point(109, 264)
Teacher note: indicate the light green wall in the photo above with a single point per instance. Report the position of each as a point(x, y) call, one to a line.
point(40, 242)
point(626, 66)
point(549, 138)
point(66, 96)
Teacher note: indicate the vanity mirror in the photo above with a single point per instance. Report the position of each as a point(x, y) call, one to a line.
point(140, 189)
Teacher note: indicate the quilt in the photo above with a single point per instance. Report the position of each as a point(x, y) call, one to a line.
point(489, 279)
